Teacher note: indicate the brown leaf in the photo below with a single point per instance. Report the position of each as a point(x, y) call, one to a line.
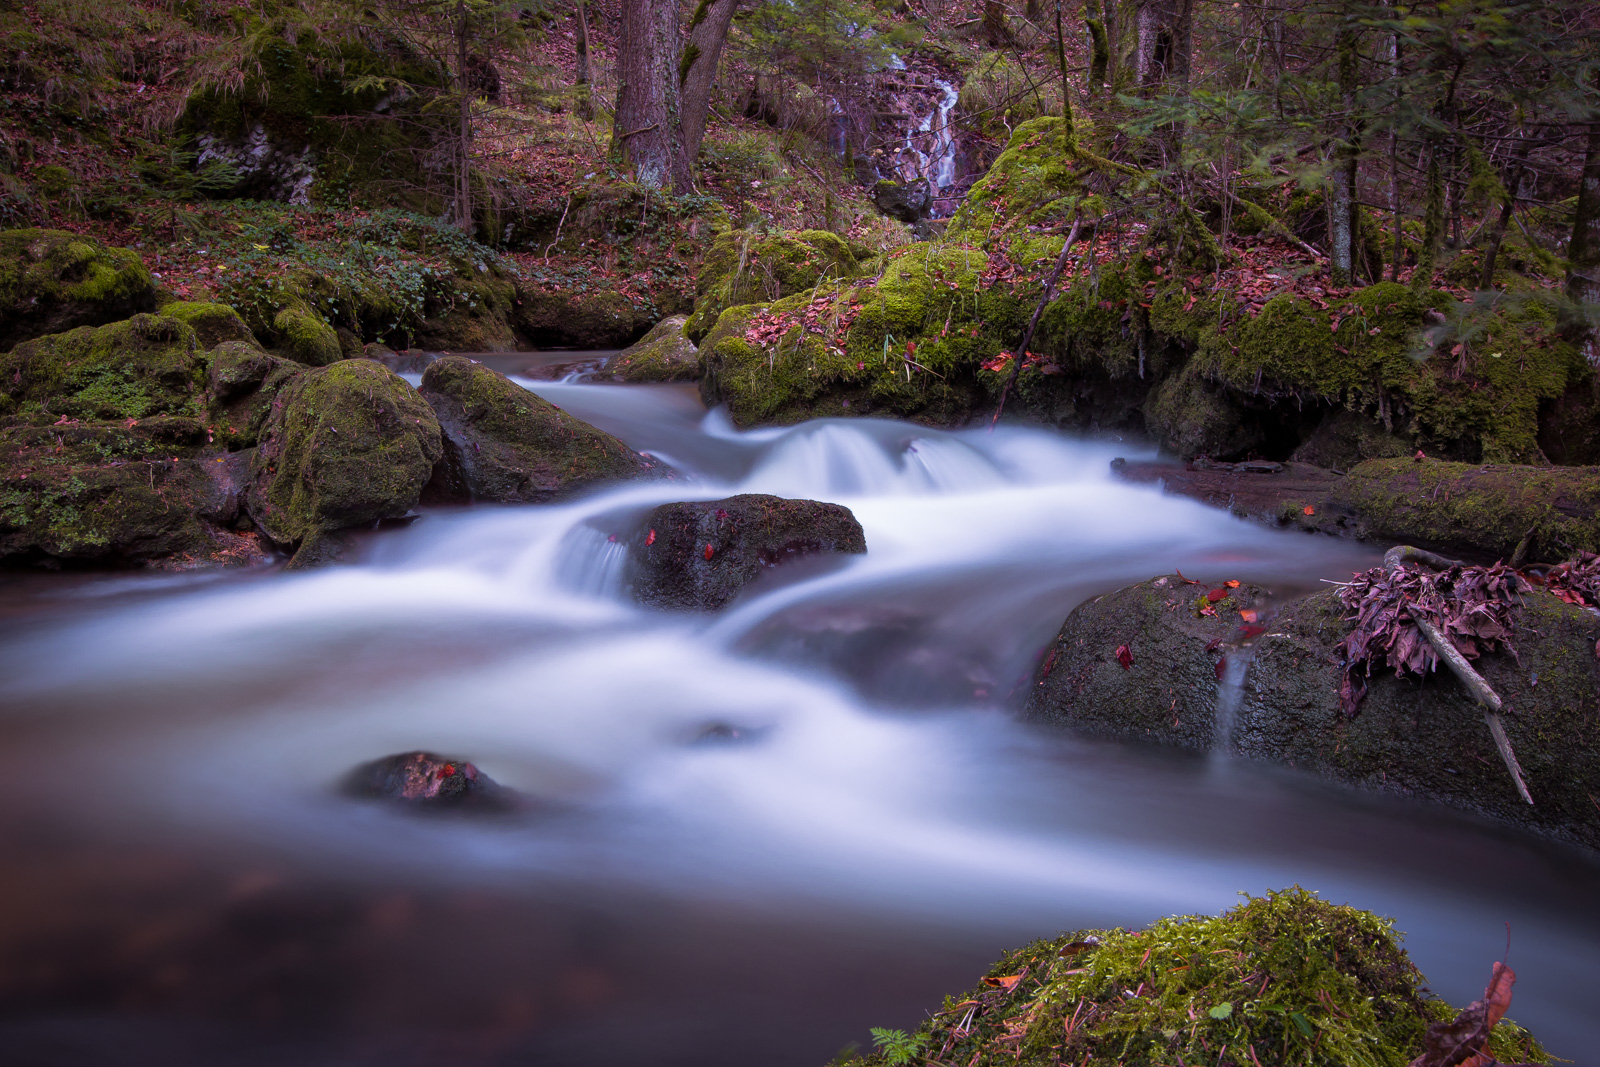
point(1008, 982)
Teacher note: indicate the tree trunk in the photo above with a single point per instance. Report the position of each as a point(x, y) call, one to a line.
point(1099, 47)
point(1165, 43)
point(463, 205)
point(1583, 253)
point(1394, 156)
point(582, 77)
point(1513, 179)
point(1432, 227)
point(994, 21)
point(708, 32)
point(1343, 222)
point(1066, 86)
point(647, 92)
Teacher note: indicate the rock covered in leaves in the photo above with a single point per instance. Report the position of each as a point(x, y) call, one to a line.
point(506, 445)
point(344, 446)
point(1422, 736)
point(52, 281)
point(664, 355)
point(1282, 979)
point(424, 781)
point(698, 555)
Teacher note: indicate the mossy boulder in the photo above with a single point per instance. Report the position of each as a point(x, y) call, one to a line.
point(1286, 978)
point(559, 319)
point(344, 446)
point(743, 267)
point(212, 323)
point(1483, 510)
point(909, 344)
point(1191, 416)
point(304, 337)
point(907, 202)
point(119, 493)
point(665, 354)
point(52, 281)
point(471, 314)
point(241, 381)
point(698, 555)
point(147, 365)
point(1426, 739)
point(1345, 438)
point(504, 444)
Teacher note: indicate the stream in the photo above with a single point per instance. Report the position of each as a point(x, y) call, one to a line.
point(184, 885)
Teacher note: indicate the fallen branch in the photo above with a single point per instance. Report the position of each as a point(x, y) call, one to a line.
point(1481, 691)
point(1033, 322)
point(1402, 554)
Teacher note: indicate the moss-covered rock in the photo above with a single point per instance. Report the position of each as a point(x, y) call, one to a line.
point(303, 337)
point(1345, 438)
point(344, 446)
point(1426, 739)
point(1282, 979)
point(1192, 417)
point(559, 319)
point(242, 381)
point(212, 323)
point(471, 314)
point(147, 365)
point(665, 354)
point(1483, 510)
point(52, 281)
point(743, 267)
point(507, 445)
point(698, 555)
point(119, 493)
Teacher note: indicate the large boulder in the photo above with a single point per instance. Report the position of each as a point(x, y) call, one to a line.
point(52, 281)
point(743, 267)
point(664, 355)
point(506, 445)
point(344, 446)
point(147, 365)
point(1144, 664)
point(212, 323)
point(698, 555)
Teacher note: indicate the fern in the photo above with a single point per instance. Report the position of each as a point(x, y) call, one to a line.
point(897, 1046)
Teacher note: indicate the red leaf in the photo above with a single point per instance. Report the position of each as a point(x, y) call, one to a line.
point(1216, 595)
point(1232, 583)
point(1222, 667)
point(708, 550)
point(648, 541)
point(1125, 657)
point(1309, 510)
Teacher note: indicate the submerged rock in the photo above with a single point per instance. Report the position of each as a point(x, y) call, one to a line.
point(664, 355)
point(52, 281)
point(344, 446)
point(1425, 739)
point(1284, 978)
point(425, 781)
point(506, 445)
point(698, 555)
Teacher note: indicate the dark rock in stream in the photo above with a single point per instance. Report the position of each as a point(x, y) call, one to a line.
point(698, 555)
point(503, 444)
point(426, 781)
point(1426, 739)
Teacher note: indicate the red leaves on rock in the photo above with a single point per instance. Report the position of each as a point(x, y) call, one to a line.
point(1464, 1040)
point(709, 550)
point(1472, 606)
point(1125, 657)
point(648, 541)
point(1216, 595)
point(1222, 667)
point(1576, 581)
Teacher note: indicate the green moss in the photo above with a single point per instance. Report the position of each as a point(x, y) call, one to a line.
point(1025, 184)
point(212, 323)
point(742, 267)
point(305, 338)
point(1283, 979)
point(346, 445)
point(52, 281)
point(665, 354)
point(146, 365)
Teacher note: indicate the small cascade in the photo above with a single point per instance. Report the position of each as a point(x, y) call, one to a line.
point(1230, 694)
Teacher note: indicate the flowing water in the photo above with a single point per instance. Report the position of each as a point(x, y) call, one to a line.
point(184, 884)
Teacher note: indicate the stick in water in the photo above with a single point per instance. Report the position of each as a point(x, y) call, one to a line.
point(1480, 690)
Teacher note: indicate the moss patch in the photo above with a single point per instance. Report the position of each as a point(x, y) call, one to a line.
point(146, 365)
point(1282, 979)
point(303, 337)
point(212, 323)
point(743, 267)
point(52, 281)
point(665, 354)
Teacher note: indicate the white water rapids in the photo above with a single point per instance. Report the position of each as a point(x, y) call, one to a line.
point(886, 828)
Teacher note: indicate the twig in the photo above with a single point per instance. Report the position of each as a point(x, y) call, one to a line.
point(1480, 690)
point(560, 224)
point(1027, 334)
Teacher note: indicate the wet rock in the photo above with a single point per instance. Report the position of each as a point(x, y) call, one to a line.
point(52, 281)
point(344, 446)
point(698, 555)
point(1279, 494)
point(1476, 510)
point(505, 444)
point(425, 781)
point(1425, 739)
point(664, 355)
point(553, 319)
point(909, 202)
point(723, 733)
point(1191, 416)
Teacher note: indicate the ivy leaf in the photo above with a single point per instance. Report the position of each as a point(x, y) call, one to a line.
point(1222, 1011)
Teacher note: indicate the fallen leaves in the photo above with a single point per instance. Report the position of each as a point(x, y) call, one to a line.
point(1464, 1040)
point(1472, 606)
point(1125, 657)
point(1008, 982)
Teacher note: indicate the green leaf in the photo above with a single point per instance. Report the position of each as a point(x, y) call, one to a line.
point(1302, 1023)
point(1222, 1011)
